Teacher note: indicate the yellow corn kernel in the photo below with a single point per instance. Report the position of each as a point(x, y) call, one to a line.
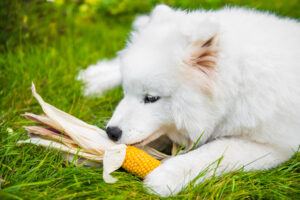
point(138, 162)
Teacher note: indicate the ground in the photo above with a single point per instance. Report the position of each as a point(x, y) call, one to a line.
point(48, 43)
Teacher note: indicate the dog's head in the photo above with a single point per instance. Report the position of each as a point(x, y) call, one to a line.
point(168, 69)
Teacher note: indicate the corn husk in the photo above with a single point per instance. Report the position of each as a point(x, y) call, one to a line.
point(59, 130)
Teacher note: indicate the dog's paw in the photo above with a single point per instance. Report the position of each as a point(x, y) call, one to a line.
point(166, 180)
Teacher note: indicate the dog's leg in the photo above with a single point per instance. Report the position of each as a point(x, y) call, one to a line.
point(216, 157)
point(100, 77)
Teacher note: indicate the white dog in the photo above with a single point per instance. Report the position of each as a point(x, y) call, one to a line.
point(231, 77)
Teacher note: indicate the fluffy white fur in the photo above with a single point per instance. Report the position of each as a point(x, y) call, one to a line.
point(247, 106)
point(101, 77)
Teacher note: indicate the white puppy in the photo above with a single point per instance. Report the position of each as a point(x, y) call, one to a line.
point(231, 77)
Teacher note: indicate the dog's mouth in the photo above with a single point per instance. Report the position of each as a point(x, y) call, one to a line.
point(149, 139)
point(159, 142)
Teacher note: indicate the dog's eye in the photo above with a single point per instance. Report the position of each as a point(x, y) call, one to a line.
point(151, 99)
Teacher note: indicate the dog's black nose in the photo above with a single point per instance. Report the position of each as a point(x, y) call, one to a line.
point(114, 133)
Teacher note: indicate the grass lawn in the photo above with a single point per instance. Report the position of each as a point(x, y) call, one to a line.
point(48, 43)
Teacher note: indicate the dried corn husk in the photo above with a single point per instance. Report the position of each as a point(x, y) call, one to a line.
point(59, 130)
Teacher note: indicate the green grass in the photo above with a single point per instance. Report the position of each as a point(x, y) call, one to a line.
point(49, 43)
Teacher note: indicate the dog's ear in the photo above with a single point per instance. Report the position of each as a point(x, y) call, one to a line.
point(203, 55)
point(140, 22)
point(203, 43)
point(161, 12)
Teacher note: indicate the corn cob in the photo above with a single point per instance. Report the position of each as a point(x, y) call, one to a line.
point(59, 130)
point(138, 162)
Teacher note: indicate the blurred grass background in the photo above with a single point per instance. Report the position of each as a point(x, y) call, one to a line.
point(48, 42)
